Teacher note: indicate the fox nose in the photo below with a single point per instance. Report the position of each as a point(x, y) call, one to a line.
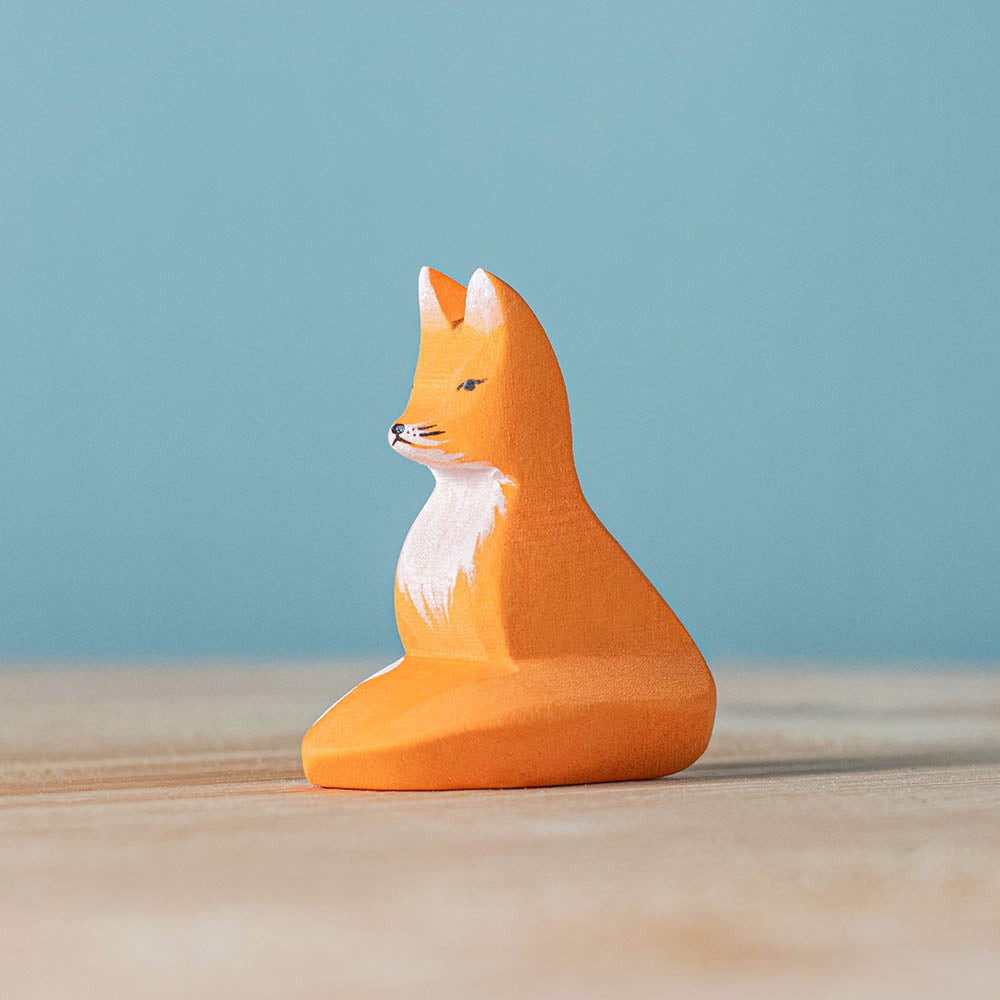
point(397, 429)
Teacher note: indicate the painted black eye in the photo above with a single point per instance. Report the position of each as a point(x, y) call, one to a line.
point(470, 383)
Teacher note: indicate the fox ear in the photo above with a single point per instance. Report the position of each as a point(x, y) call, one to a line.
point(442, 300)
point(490, 303)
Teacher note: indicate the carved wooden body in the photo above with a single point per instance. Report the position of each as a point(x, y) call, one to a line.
point(536, 651)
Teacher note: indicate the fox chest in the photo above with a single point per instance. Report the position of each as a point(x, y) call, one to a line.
point(444, 540)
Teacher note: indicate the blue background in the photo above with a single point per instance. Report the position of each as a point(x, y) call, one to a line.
point(763, 238)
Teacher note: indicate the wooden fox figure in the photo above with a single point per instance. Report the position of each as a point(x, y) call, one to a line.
point(536, 652)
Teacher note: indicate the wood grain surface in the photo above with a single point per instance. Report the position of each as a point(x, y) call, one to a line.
point(841, 838)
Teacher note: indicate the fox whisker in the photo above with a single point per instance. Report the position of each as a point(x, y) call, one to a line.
point(426, 427)
point(430, 434)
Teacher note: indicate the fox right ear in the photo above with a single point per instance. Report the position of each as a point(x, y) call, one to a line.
point(442, 301)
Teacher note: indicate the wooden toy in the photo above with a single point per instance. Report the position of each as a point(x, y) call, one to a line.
point(536, 651)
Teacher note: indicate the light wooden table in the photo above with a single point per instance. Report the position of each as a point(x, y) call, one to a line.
point(841, 838)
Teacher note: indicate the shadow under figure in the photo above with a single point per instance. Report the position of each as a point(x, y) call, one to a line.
point(537, 653)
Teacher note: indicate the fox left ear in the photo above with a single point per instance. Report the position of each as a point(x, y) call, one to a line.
point(491, 303)
point(442, 301)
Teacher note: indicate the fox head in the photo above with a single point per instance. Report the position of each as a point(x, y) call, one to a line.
point(487, 390)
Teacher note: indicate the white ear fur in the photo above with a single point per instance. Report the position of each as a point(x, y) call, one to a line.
point(431, 313)
point(440, 307)
point(482, 305)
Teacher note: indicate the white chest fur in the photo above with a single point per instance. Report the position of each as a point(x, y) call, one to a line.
point(442, 541)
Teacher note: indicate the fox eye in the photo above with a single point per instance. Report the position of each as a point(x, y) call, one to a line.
point(470, 383)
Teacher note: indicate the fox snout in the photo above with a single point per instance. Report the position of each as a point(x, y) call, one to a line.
point(413, 434)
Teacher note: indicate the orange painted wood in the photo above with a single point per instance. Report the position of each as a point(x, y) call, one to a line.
point(537, 652)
